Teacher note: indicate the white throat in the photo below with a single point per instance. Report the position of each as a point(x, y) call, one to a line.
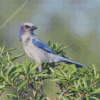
point(25, 36)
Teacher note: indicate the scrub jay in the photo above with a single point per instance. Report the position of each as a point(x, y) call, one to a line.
point(39, 50)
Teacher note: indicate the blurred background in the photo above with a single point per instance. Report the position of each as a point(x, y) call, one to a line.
point(73, 23)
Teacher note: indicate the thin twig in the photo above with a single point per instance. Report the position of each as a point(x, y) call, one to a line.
point(62, 93)
point(1, 92)
point(27, 95)
point(41, 92)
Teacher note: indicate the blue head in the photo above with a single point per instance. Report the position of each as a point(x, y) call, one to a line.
point(26, 28)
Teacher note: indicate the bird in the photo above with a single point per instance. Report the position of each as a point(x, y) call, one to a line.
point(37, 49)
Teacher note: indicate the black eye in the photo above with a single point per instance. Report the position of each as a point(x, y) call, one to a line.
point(27, 26)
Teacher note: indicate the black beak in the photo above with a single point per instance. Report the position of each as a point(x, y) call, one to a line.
point(34, 27)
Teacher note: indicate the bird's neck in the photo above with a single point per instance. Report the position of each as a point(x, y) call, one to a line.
point(27, 35)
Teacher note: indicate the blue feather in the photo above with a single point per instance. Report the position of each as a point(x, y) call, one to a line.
point(40, 44)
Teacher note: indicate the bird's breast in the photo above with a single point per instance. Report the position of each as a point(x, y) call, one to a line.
point(36, 53)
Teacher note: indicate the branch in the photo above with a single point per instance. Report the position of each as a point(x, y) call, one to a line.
point(1, 92)
point(27, 95)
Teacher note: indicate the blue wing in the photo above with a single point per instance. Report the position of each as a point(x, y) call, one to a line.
point(40, 44)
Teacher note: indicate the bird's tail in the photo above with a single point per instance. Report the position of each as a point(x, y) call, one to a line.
point(68, 61)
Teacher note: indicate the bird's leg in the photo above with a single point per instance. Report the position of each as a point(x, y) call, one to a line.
point(40, 70)
point(40, 86)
